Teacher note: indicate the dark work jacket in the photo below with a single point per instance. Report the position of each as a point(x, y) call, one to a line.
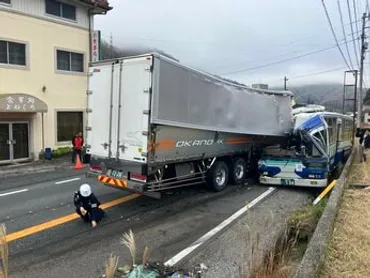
point(90, 204)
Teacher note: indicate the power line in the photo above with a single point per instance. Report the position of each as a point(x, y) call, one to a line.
point(317, 73)
point(282, 61)
point(241, 63)
point(344, 33)
point(352, 33)
point(333, 32)
point(356, 20)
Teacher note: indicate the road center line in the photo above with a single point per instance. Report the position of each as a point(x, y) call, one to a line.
point(13, 192)
point(173, 261)
point(64, 219)
point(65, 181)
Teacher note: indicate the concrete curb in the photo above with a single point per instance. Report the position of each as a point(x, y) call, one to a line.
point(35, 169)
point(315, 253)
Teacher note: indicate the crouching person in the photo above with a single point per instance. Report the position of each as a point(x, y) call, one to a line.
point(87, 205)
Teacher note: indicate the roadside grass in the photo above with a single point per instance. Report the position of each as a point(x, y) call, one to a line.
point(348, 254)
point(288, 250)
point(4, 252)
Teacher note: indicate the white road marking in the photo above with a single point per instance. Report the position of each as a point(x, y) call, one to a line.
point(173, 261)
point(13, 192)
point(65, 181)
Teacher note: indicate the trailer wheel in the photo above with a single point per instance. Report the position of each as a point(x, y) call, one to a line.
point(239, 171)
point(218, 176)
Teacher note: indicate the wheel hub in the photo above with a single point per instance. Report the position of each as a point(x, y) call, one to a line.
point(239, 171)
point(220, 177)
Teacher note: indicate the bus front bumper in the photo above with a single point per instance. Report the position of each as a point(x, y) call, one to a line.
point(293, 182)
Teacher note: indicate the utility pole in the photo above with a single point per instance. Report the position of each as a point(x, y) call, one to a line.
point(363, 50)
point(352, 88)
point(285, 80)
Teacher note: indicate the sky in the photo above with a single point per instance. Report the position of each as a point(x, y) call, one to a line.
point(244, 40)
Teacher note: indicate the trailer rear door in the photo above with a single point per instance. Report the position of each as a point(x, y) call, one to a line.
point(133, 112)
point(102, 108)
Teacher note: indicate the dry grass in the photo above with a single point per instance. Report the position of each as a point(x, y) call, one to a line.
point(349, 251)
point(4, 252)
point(360, 173)
point(288, 250)
point(145, 256)
point(128, 240)
point(277, 263)
point(111, 266)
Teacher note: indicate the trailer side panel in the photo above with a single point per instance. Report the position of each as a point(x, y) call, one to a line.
point(184, 97)
point(174, 144)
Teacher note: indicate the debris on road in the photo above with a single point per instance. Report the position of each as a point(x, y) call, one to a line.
point(158, 270)
point(146, 269)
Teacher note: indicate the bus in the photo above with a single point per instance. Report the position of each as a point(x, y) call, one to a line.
point(320, 143)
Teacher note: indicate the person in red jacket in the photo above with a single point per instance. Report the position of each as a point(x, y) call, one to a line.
point(77, 143)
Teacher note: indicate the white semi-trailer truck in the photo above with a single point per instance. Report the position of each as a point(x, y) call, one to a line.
point(154, 124)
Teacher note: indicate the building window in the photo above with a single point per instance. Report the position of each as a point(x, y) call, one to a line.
point(12, 53)
point(60, 9)
point(68, 125)
point(5, 1)
point(69, 61)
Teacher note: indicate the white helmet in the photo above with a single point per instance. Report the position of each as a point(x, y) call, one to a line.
point(85, 190)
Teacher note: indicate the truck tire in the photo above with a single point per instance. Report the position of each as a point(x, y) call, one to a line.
point(238, 171)
point(218, 176)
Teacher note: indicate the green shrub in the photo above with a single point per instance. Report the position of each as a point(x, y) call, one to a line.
point(59, 152)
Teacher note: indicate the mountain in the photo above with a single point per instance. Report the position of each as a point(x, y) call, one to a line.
point(328, 94)
point(112, 52)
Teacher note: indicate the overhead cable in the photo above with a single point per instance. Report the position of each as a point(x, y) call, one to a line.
point(334, 35)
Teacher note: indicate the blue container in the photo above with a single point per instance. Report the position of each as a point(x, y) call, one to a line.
point(48, 153)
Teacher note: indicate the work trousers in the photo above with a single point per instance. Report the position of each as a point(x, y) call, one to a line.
point(75, 153)
point(98, 215)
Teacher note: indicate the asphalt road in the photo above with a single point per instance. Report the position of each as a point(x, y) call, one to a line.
point(74, 249)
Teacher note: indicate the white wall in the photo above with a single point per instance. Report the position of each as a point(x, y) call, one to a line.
point(36, 8)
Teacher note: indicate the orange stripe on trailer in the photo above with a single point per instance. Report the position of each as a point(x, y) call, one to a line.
point(162, 145)
point(236, 140)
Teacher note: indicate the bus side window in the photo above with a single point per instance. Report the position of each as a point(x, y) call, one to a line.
point(331, 130)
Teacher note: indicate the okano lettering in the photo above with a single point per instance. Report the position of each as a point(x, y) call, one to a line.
point(195, 143)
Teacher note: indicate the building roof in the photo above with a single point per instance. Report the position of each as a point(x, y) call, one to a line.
point(103, 4)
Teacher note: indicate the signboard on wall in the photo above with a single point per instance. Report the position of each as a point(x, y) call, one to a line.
point(95, 46)
point(21, 103)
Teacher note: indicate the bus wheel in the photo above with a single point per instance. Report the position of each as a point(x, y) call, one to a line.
point(239, 171)
point(218, 176)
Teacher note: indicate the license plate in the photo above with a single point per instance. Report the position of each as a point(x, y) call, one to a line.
point(287, 182)
point(115, 174)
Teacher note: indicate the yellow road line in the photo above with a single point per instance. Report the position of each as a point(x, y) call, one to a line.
point(64, 219)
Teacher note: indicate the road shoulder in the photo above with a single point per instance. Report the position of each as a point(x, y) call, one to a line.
point(232, 253)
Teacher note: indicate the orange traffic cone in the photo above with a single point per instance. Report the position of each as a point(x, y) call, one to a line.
point(78, 165)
